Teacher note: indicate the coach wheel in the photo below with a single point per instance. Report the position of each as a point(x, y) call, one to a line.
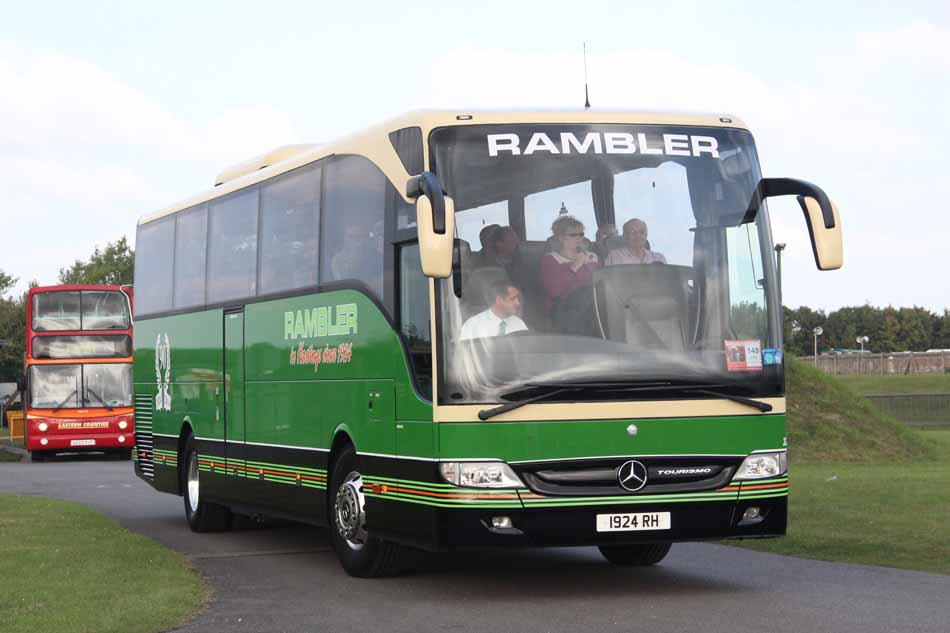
point(640, 555)
point(361, 554)
point(202, 515)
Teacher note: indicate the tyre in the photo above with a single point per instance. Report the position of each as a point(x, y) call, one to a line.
point(202, 515)
point(361, 554)
point(38, 456)
point(639, 555)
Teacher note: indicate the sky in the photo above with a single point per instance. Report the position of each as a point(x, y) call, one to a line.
point(110, 113)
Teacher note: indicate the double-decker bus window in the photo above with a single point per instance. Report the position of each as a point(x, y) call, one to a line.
point(289, 231)
point(53, 386)
point(232, 254)
point(56, 311)
point(190, 249)
point(107, 384)
point(154, 246)
point(58, 347)
point(107, 310)
point(354, 208)
point(414, 316)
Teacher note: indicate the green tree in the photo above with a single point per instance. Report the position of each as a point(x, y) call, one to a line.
point(111, 265)
point(6, 282)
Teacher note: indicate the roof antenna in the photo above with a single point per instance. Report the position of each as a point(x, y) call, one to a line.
point(586, 96)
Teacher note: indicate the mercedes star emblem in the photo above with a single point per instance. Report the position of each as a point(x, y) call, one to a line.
point(632, 475)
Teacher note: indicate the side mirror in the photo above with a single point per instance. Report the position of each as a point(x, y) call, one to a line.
point(435, 222)
point(21, 384)
point(821, 216)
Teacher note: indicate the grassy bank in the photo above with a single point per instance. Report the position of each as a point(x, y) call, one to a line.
point(68, 568)
point(864, 487)
point(881, 513)
point(912, 383)
point(830, 421)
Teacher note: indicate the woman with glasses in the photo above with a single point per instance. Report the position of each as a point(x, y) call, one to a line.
point(571, 266)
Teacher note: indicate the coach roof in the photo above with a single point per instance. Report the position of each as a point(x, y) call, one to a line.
point(374, 143)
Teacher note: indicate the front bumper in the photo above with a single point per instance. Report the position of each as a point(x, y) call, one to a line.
point(564, 526)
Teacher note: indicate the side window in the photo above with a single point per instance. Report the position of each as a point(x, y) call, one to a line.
point(154, 245)
point(290, 208)
point(190, 247)
point(659, 196)
point(541, 209)
point(354, 209)
point(414, 315)
point(470, 222)
point(232, 252)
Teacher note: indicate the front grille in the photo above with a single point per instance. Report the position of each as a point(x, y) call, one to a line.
point(600, 477)
point(144, 444)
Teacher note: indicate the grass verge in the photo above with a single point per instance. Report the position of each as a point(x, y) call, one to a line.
point(911, 383)
point(889, 514)
point(829, 421)
point(68, 568)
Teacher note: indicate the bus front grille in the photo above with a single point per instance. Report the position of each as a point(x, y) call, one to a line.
point(602, 477)
point(143, 435)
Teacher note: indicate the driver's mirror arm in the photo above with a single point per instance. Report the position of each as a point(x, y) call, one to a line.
point(435, 221)
point(821, 217)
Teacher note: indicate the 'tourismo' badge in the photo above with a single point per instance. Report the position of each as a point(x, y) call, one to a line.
point(744, 355)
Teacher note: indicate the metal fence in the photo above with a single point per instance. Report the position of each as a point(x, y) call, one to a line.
point(883, 364)
point(920, 410)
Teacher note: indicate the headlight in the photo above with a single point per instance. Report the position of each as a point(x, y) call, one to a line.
point(762, 465)
point(42, 426)
point(480, 474)
point(123, 424)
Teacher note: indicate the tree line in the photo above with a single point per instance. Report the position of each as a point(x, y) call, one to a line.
point(888, 329)
point(109, 265)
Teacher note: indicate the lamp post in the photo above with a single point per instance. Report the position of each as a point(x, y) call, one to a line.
point(817, 332)
point(778, 271)
point(861, 340)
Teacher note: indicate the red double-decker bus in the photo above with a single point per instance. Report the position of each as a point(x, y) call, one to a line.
point(79, 370)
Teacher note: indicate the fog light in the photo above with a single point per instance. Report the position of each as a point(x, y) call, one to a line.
point(121, 439)
point(751, 513)
point(44, 441)
point(123, 424)
point(502, 523)
point(42, 426)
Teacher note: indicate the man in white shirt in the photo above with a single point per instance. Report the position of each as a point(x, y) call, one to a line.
point(500, 318)
point(636, 250)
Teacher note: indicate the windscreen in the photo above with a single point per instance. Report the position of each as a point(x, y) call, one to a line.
point(91, 385)
point(80, 310)
point(605, 253)
point(82, 346)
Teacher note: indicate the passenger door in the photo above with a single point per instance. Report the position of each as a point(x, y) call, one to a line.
point(234, 429)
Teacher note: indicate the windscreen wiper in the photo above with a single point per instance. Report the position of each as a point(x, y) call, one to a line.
point(99, 398)
point(484, 414)
point(65, 400)
point(621, 386)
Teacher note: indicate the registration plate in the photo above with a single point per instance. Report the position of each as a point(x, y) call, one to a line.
point(82, 442)
point(633, 521)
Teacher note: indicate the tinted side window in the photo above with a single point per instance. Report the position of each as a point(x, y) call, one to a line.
point(154, 246)
point(354, 208)
point(190, 247)
point(414, 316)
point(232, 251)
point(290, 208)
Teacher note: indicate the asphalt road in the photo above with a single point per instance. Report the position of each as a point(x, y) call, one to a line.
point(285, 578)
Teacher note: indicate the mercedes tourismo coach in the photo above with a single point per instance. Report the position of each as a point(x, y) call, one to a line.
point(78, 370)
point(476, 329)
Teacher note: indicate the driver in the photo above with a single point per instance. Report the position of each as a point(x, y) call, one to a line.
point(637, 249)
point(500, 318)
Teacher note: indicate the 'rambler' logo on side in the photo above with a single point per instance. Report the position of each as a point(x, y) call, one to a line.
point(605, 143)
point(322, 321)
